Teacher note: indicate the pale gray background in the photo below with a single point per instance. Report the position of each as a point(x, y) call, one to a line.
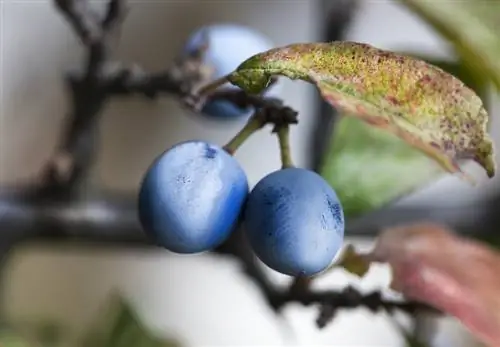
point(206, 301)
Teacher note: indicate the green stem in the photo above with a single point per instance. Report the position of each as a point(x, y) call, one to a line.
point(253, 125)
point(212, 86)
point(285, 151)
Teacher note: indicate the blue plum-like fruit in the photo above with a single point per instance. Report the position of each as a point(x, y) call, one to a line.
point(229, 46)
point(191, 197)
point(294, 222)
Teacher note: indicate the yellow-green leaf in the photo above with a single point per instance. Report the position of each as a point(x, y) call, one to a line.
point(471, 26)
point(425, 106)
point(460, 69)
point(371, 168)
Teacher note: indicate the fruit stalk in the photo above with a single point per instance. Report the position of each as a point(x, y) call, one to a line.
point(284, 142)
point(253, 125)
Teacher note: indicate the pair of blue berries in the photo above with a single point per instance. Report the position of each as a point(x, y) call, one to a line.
point(195, 195)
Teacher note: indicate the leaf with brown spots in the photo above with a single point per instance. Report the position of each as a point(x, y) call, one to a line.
point(459, 68)
point(425, 106)
point(454, 274)
point(371, 168)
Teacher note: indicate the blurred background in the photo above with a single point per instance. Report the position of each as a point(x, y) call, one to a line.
point(204, 300)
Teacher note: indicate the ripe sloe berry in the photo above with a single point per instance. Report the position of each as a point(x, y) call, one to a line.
point(191, 197)
point(294, 222)
point(229, 46)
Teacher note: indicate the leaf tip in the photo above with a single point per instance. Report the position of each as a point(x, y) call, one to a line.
point(486, 157)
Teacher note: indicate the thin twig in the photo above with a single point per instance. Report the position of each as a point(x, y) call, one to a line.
point(69, 166)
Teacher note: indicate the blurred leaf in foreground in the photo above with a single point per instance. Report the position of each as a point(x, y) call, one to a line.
point(454, 274)
point(472, 27)
point(119, 326)
point(423, 105)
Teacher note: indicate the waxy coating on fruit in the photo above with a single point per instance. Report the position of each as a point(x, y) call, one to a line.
point(229, 45)
point(192, 196)
point(294, 222)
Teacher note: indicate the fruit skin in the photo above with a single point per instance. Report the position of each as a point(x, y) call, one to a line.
point(192, 196)
point(294, 222)
point(229, 46)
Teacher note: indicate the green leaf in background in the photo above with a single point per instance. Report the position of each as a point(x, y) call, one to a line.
point(119, 326)
point(31, 334)
point(471, 26)
point(370, 168)
point(426, 107)
point(9, 338)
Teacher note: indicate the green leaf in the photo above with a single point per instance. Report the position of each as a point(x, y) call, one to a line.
point(425, 106)
point(370, 168)
point(472, 27)
point(119, 326)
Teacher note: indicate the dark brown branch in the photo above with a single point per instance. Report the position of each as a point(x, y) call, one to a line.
point(329, 302)
point(69, 166)
point(111, 219)
point(53, 216)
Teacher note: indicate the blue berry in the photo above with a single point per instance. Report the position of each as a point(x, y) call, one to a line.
point(294, 222)
point(229, 46)
point(191, 197)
